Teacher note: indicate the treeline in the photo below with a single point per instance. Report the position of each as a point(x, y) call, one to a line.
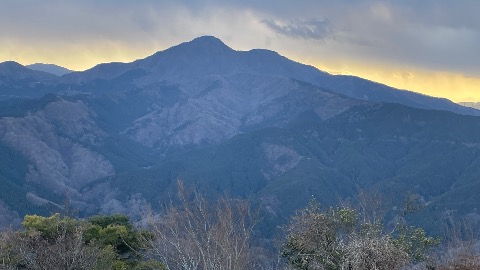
point(195, 233)
point(56, 242)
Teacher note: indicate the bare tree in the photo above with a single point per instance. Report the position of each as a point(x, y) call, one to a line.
point(200, 235)
point(374, 253)
point(55, 244)
point(371, 206)
point(6, 256)
point(345, 238)
point(461, 250)
point(65, 251)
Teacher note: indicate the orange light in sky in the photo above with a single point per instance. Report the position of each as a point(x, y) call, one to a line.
point(455, 87)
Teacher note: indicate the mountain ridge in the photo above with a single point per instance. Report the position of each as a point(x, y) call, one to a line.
point(50, 68)
point(116, 138)
point(180, 63)
point(13, 71)
point(174, 65)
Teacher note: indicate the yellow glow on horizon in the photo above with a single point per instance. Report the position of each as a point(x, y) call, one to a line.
point(76, 58)
point(455, 87)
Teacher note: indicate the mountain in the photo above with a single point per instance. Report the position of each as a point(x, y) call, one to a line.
point(475, 105)
point(50, 68)
point(115, 138)
point(207, 55)
point(18, 81)
point(11, 71)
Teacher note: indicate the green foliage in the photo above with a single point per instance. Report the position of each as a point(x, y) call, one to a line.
point(116, 219)
point(415, 242)
point(107, 259)
point(347, 216)
point(49, 227)
point(119, 265)
point(118, 232)
point(112, 241)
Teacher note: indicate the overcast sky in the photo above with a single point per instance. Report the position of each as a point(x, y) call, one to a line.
point(430, 46)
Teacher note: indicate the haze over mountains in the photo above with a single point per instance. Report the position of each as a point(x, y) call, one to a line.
point(116, 137)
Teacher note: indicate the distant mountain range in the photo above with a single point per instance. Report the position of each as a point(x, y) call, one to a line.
point(115, 138)
point(50, 68)
point(208, 55)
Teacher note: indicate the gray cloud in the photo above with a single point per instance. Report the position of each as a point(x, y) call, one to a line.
point(431, 34)
point(309, 29)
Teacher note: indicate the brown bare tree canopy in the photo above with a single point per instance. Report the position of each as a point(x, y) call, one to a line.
point(203, 235)
point(344, 238)
point(200, 234)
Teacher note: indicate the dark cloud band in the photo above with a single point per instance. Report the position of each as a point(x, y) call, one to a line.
point(310, 29)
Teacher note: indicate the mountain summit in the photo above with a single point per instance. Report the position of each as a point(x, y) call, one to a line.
point(209, 56)
point(204, 44)
point(14, 72)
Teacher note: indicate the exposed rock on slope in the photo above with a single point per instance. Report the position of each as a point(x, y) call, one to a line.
point(56, 140)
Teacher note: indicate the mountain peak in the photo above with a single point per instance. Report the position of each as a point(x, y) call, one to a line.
point(205, 44)
point(11, 64)
point(212, 40)
point(14, 71)
point(12, 67)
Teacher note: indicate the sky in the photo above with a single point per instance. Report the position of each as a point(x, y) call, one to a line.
point(428, 46)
